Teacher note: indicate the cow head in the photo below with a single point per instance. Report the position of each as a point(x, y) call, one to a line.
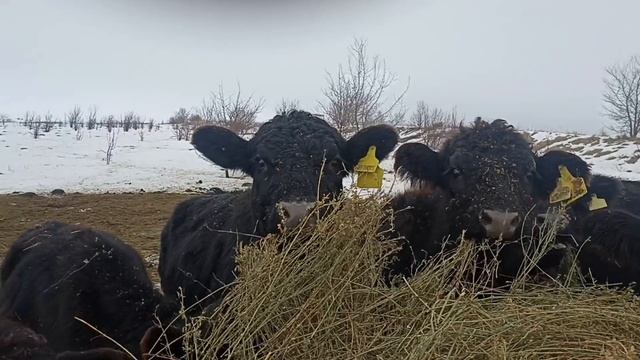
point(292, 159)
point(493, 177)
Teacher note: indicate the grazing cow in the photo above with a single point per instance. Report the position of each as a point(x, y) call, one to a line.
point(57, 272)
point(485, 181)
point(293, 159)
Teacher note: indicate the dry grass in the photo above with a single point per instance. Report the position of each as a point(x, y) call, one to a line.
point(317, 294)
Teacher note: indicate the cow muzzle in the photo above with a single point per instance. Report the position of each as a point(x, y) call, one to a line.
point(292, 213)
point(500, 224)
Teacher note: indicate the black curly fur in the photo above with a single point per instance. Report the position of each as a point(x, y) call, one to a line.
point(499, 170)
point(56, 272)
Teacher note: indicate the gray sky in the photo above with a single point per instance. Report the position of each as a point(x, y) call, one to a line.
point(537, 63)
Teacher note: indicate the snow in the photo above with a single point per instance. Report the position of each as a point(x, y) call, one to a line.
point(607, 155)
point(57, 160)
point(161, 163)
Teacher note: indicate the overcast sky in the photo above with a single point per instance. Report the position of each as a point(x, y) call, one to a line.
point(537, 63)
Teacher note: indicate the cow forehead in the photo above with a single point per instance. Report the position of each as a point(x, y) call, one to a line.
point(297, 140)
point(513, 160)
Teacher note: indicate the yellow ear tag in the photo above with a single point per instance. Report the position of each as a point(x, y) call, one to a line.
point(569, 188)
point(369, 172)
point(596, 203)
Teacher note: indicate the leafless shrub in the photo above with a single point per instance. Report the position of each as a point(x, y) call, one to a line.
point(112, 140)
point(130, 120)
point(47, 124)
point(79, 134)
point(141, 133)
point(183, 124)
point(150, 125)
point(74, 117)
point(234, 112)
point(435, 124)
point(622, 97)
point(92, 118)
point(110, 122)
point(33, 122)
point(287, 105)
point(356, 96)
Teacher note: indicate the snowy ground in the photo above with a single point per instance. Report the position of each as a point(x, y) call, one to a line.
point(157, 163)
point(161, 163)
point(607, 155)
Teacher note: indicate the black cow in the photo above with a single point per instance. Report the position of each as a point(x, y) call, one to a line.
point(57, 272)
point(293, 159)
point(485, 181)
point(607, 241)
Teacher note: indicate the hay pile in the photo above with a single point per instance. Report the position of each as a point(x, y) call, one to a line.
point(317, 294)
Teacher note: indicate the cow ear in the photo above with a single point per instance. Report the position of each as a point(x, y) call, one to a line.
point(223, 147)
point(419, 164)
point(548, 173)
point(383, 137)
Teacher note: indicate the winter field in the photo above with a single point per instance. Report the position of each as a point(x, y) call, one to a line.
point(156, 161)
point(134, 195)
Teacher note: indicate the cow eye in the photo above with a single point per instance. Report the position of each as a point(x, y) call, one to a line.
point(260, 164)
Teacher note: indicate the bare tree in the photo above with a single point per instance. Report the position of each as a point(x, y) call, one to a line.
point(356, 96)
point(92, 117)
point(48, 123)
point(130, 120)
point(622, 96)
point(183, 123)
point(4, 119)
point(110, 122)
point(235, 112)
point(79, 134)
point(287, 105)
point(74, 117)
point(435, 124)
point(112, 141)
point(150, 124)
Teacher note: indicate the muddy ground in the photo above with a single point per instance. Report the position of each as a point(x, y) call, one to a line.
point(137, 219)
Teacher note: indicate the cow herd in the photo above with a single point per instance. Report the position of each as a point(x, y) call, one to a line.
point(71, 292)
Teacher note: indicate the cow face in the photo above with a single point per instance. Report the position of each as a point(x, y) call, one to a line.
point(492, 176)
point(293, 159)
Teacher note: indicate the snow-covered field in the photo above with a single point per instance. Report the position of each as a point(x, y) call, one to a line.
point(57, 160)
point(161, 163)
point(607, 155)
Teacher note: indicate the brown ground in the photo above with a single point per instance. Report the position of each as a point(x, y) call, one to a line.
point(137, 219)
